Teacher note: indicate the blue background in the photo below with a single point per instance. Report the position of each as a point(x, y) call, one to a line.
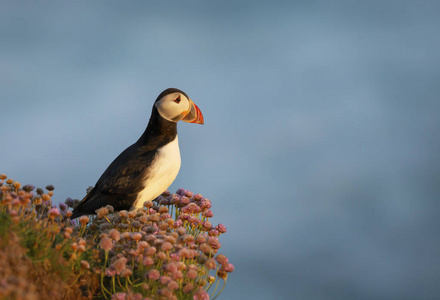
point(320, 149)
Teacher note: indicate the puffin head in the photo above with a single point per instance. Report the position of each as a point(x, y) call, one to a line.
point(175, 105)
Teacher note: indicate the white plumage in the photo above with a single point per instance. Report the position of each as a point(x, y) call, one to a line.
point(161, 173)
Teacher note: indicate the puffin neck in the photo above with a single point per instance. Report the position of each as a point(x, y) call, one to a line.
point(159, 131)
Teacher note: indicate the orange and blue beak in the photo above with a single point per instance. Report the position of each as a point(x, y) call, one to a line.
point(194, 114)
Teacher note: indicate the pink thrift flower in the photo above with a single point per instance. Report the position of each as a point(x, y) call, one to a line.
point(205, 248)
point(221, 259)
point(151, 251)
point(171, 267)
point(153, 274)
point(142, 245)
point(188, 288)
point(175, 256)
point(114, 234)
point(229, 268)
point(172, 285)
point(110, 272)
point(210, 264)
point(166, 246)
point(180, 192)
point(205, 204)
point(184, 201)
point(148, 204)
point(208, 213)
point(119, 265)
point(106, 244)
point(174, 199)
point(161, 255)
point(53, 213)
point(85, 264)
point(119, 296)
point(198, 197)
point(164, 279)
point(213, 232)
point(84, 220)
point(136, 236)
point(126, 273)
point(62, 206)
point(191, 274)
point(201, 239)
point(201, 295)
point(101, 212)
point(184, 252)
point(177, 275)
point(221, 228)
point(147, 261)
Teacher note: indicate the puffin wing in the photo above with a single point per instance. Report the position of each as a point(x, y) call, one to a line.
point(119, 184)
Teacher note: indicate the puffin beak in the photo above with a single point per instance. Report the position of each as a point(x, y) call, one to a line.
point(194, 114)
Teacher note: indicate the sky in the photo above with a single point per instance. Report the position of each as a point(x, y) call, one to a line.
point(320, 144)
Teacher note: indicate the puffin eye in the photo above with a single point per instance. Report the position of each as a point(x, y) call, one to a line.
point(177, 100)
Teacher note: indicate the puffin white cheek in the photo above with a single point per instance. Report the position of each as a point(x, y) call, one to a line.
point(170, 110)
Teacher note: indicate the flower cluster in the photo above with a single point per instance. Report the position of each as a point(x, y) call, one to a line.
point(35, 242)
point(167, 250)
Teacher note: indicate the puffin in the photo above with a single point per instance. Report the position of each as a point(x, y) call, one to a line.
point(147, 168)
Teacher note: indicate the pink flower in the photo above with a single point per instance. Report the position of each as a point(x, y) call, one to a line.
point(62, 206)
point(166, 246)
point(148, 204)
point(150, 251)
point(229, 268)
point(198, 197)
point(119, 296)
point(101, 212)
point(53, 213)
point(171, 267)
point(208, 213)
point(188, 288)
point(200, 239)
point(210, 264)
point(114, 234)
point(191, 274)
point(213, 232)
point(147, 261)
point(221, 228)
point(177, 275)
point(85, 264)
point(110, 272)
point(221, 259)
point(119, 265)
point(180, 192)
point(126, 273)
point(206, 225)
point(172, 285)
point(201, 294)
point(175, 256)
point(153, 274)
point(175, 199)
point(106, 244)
point(84, 220)
point(136, 236)
point(164, 279)
point(205, 248)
